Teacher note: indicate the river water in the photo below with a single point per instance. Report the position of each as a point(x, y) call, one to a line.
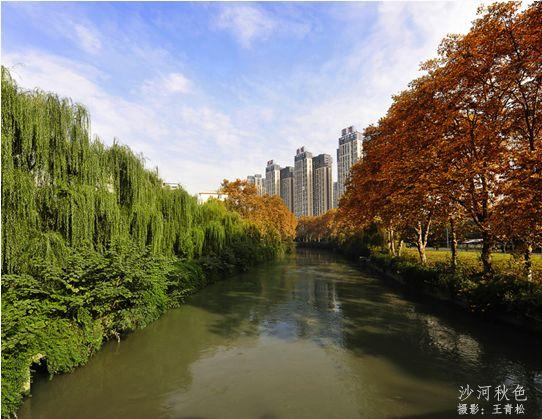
point(310, 336)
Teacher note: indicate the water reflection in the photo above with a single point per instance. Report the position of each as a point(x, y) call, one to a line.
point(308, 337)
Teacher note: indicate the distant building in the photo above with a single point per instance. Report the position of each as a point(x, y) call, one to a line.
point(259, 184)
point(251, 179)
point(272, 178)
point(173, 185)
point(303, 193)
point(335, 195)
point(204, 196)
point(287, 187)
point(257, 181)
point(322, 182)
point(349, 152)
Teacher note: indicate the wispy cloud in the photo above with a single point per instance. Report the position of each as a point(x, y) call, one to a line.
point(202, 109)
point(247, 23)
point(356, 86)
point(173, 135)
point(172, 83)
point(88, 39)
point(177, 83)
point(250, 23)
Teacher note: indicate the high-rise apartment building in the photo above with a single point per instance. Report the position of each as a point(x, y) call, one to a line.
point(257, 181)
point(335, 195)
point(287, 187)
point(349, 152)
point(322, 181)
point(303, 193)
point(272, 178)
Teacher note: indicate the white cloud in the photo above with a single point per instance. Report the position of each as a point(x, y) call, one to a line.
point(177, 83)
point(88, 39)
point(195, 141)
point(191, 143)
point(111, 116)
point(357, 87)
point(247, 23)
point(173, 83)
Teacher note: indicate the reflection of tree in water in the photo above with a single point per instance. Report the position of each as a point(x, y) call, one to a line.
point(295, 299)
point(488, 360)
point(130, 379)
point(138, 372)
point(311, 312)
point(314, 297)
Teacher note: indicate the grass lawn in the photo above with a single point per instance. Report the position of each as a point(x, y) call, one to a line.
point(501, 261)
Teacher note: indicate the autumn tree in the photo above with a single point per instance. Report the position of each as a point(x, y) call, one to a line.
point(395, 182)
point(488, 86)
point(462, 141)
point(520, 211)
point(268, 213)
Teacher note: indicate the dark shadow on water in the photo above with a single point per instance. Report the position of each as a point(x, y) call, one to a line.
point(443, 343)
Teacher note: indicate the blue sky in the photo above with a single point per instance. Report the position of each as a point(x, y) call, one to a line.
point(208, 91)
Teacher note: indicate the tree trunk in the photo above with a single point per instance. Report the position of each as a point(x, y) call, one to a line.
point(528, 263)
point(453, 243)
point(487, 245)
point(400, 247)
point(391, 242)
point(420, 244)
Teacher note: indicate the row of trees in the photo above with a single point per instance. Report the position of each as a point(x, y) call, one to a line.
point(463, 142)
point(267, 212)
point(94, 244)
point(61, 189)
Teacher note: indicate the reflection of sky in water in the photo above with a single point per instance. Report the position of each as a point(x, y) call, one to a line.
point(312, 312)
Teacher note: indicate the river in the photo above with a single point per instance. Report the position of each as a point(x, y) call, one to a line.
point(309, 336)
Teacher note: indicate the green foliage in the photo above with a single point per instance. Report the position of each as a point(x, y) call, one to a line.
point(60, 188)
point(183, 278)
point(496, 294)
point(503, 294)
point(93, 244)
point(503, 263)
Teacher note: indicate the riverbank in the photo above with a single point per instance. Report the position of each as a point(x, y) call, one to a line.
point(61, 328)
point(500, 297)
point(306, 336)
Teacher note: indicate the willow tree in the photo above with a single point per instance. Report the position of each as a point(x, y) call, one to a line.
point(63, 190)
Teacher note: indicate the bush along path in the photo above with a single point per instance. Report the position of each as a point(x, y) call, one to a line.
point(94, 245)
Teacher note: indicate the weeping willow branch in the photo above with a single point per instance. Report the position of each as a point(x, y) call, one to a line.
point(62, 189)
